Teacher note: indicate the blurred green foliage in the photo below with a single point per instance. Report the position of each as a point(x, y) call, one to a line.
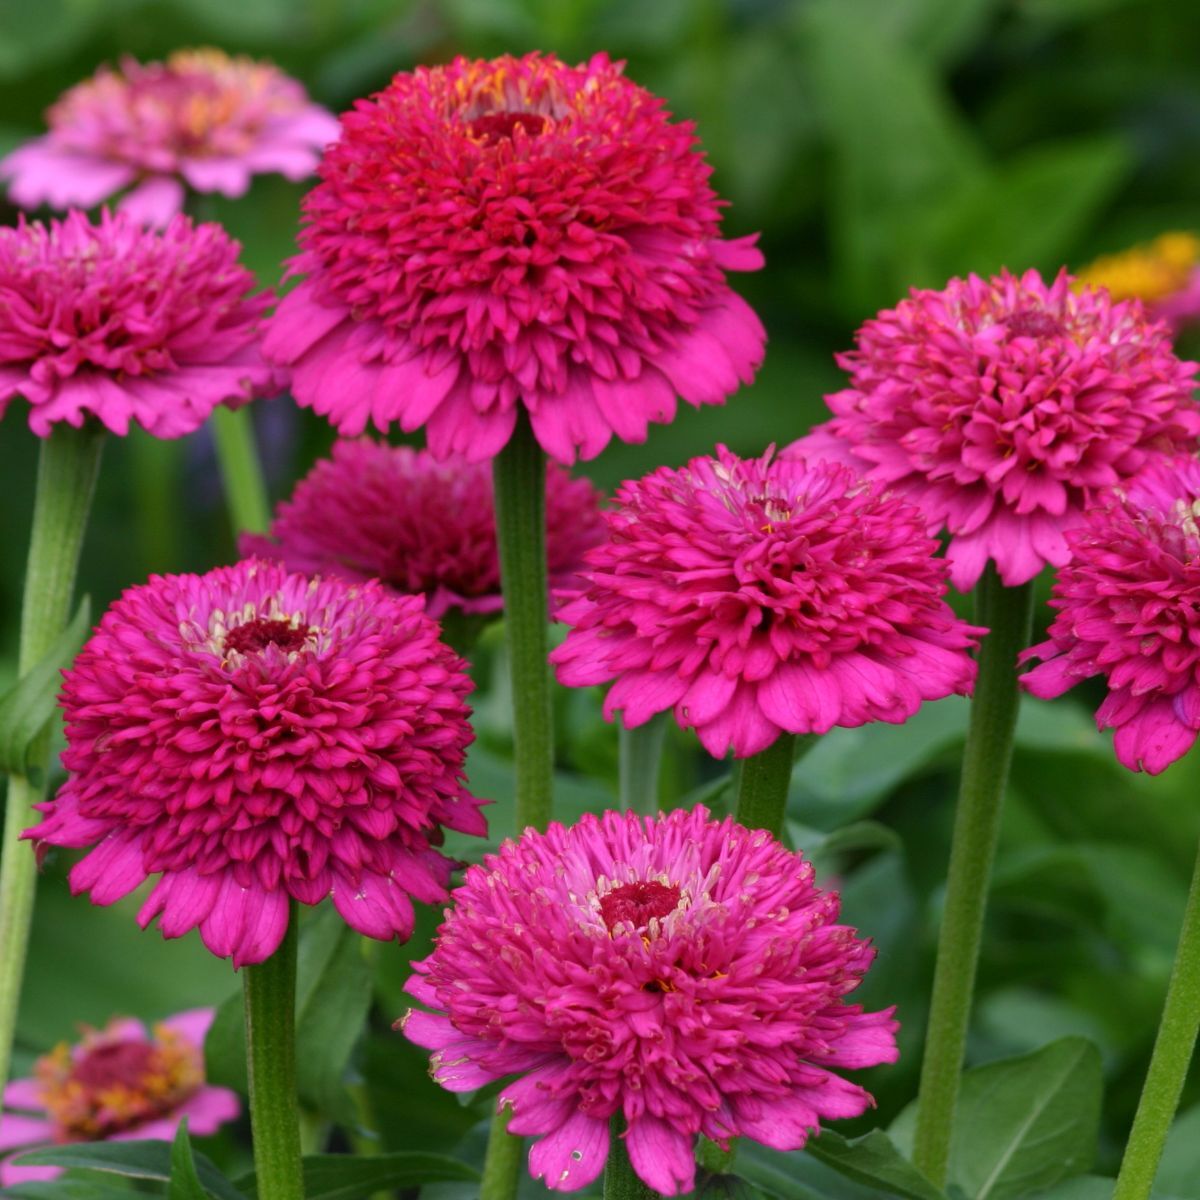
point(877, 144)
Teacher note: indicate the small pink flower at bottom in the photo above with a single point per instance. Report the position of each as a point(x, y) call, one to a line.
point(681, 971)
point(761, 596)
point(1128, 608)
point(118, 1083)
point(255, 737)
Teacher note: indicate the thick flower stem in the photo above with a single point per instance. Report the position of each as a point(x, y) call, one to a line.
point(620, 1180)
point(502, 1161)
point(68, 463)
point(520, 482)
point(1008, 614)
point(1169, 1063)
point(241, 470)
point(763, 781)
point(639, 763)
point(270, 1000)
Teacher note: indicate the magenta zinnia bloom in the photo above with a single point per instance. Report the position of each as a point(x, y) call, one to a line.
point(253, 735)
point(488, 235)
point(421, 526)
point(114, 322)
point(201, 118)
point(1004, 408)
point(761, 596)
point(118, 1083)
point(1129, 609)
point(684, 972)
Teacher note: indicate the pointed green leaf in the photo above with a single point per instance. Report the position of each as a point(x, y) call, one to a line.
point(65, 1189)
point(350, 1177)
point(185, 1182)
point(135, 1160)
point(873, 1160)
point(29, 704)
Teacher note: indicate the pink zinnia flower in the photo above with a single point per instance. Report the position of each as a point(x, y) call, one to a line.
point(253, 735)
point(421, 526)
point(114, 322)
point(116, 1083)
point(1129, 609)
point(683, 972)
point(488, 235)
point(761, 596)
point(1005, 408)
point(201, 118)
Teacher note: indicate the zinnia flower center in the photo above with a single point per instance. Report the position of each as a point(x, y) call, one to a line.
point(116, 1084)
point(638, 903)
point(254, 636)
point(495, 127)
point(1034, 323)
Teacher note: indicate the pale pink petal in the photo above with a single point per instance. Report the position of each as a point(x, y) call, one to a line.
point(154, 201)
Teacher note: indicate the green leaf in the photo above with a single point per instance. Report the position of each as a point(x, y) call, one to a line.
point(65, 1189)
point(1179, 1170)
point(185, 1182)
point(795, 1175)
point(1025, 1124)
point(873, 1160)
point(135, 1160)
point(1085, 1187)
point(29, 704)
point(225, 1045)
point(349, 1177)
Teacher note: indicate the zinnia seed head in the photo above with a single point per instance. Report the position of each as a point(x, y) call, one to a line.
point(421, 526)
point(515, 232)
point(1005, 408)
point(1128, 609)
point(115, 323)
point(764, 595)
point(201, 119)
point(683, 972)
point(253, 736)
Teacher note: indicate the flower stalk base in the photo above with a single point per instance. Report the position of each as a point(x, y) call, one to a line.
point(1008, 614)
point(241, 470)
point(1169, 1063)
point(620, 1179)
point(640, 761)
point(763, 781)
point(68, 463)
point(270, 1000)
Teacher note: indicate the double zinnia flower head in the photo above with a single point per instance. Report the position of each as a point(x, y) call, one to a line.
point(492, 236)
point(682, 972)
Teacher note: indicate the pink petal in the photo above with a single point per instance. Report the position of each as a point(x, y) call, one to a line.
point(573, 1155)
point(154, 202)
point(663, 1157)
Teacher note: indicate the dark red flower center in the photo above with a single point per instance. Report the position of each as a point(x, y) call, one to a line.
point(115, 1064)
point(256, 635)
point(1035, 323)
point(495, 127)
point(638, 903)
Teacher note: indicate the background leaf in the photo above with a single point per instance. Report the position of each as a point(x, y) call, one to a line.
point(346, 1177)
point(185, 1181)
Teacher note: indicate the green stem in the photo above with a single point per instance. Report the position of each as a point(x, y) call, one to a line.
point(520, 482)
point(157, 469)
point(241, 470)
point(68, 463)
point(640, 760)
point(270, 999)
point(763, 781)
point(1169, 1063)
point(502, 1160)
point(519, 477)
point(1007, 613)
point(620, 1180)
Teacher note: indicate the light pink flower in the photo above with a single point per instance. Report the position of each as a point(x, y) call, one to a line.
point(114, 322)
point(488, 235)
point(255, 736)
point(684, 972)
point(200, 119)
point(1004, 408)
point(760, 596)
point(118, 1083)
point(421, 526)
point(1128, 608)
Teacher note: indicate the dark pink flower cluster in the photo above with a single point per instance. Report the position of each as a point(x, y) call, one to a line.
point(254, 736)
point(419, 525)
point(488, 235)
point(764, 595)
point(201, 118)
point(117, 323)
point(1005, 408)
point(682, 972)
point(1128, 607)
